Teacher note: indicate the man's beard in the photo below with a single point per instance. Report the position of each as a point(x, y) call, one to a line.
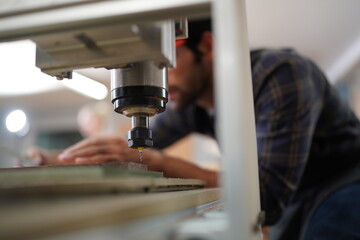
point(187, 98)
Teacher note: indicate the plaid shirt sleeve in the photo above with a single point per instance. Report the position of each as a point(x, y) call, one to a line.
point(287, 106)
point(170, 126)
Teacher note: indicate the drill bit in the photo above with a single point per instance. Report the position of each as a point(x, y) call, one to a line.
point(140, 152)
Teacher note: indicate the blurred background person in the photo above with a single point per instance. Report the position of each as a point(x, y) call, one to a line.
point(93, 119)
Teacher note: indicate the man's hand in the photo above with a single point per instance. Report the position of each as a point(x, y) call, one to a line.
point(36, 155)
point(42, 157)
point(98, 150)
point(113, 148)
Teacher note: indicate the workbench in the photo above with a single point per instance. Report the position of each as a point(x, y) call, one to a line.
point(90, 203)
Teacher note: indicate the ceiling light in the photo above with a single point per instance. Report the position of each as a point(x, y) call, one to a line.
point(16, 121)
point(86, 86)
point(19, 75)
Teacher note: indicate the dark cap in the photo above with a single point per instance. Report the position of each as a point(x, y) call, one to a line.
point(195, 30)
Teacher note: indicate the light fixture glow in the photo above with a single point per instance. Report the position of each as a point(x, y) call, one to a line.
point(86, 86)
point(16, 121)
point(19, 75)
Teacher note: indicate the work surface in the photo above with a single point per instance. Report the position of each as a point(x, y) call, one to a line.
point(43, 202)
point(75, 180)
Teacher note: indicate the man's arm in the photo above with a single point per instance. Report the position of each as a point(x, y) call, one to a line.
point(171, 125)
point(41, 156)
point(177, 168)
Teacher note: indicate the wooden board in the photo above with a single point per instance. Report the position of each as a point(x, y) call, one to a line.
point(74, 180)
point(70, 173)
point(40, 219)
point(124, 184)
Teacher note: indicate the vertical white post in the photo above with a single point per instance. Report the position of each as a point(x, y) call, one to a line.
point(236, 120)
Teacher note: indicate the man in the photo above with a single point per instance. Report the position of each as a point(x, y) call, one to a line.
point(308, 139)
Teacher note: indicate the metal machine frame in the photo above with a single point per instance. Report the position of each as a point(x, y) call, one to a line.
point(236, 125)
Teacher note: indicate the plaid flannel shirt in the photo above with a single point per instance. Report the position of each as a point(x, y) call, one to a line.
point(303, 127)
